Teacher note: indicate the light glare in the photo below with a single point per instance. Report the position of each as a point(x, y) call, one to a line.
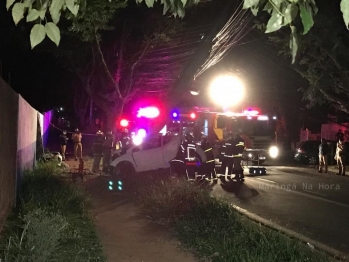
point(226, 91)
point(148, 112)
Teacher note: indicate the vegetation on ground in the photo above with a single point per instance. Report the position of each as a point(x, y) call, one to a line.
point(50, 222)
point(211, 227)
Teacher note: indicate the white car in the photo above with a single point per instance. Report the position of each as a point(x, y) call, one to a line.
point(154, 153)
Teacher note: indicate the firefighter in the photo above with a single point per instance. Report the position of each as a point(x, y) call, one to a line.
point(76, 137)
point(209, 165)
point(339, 135)
point(238, 147)
point(189, 151)
point(108, 145)
point(227, 161)
point(63, 142)
point(124, 141)
point(97, 151)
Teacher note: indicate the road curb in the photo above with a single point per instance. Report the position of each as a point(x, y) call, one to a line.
point(338, 255)
point(98, 211)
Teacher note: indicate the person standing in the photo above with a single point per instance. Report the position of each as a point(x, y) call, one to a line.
point(323, 152)
point(108, 145)
point(238, 149)
point(228, 157)
point(97, 151)
point(339, 135)
point(77, 137)
point(340, 157)
point(188, 149)
point(63, 140)
point(209, 166)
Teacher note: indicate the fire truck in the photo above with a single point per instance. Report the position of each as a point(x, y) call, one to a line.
point(257, 130)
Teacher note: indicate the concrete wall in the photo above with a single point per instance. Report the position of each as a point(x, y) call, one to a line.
point(18, 142)
point(8, 148)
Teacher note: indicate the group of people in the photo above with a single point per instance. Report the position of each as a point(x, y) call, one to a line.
point(186, 161)
point(76, 138)
point(324, 151)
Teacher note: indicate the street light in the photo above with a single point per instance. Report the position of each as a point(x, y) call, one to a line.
point(226, 90)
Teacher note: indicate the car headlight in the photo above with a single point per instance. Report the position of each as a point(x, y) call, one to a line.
point(273, 152)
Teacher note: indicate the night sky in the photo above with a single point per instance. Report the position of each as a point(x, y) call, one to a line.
point(36, 75)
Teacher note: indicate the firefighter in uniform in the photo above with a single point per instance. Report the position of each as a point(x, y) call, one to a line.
point(226, 157)
point(188, 150)
point(125, 141)
point(238, 147)
point(97, 151)
point(209, 166)
point(108, 145)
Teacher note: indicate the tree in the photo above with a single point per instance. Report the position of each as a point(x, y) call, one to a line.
point(46, 14)
point(324, 60)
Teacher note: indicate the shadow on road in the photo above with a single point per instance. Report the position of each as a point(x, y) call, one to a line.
point(240, 190)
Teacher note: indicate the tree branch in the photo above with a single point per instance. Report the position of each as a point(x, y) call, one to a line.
point(106, 69)
point(343, 105)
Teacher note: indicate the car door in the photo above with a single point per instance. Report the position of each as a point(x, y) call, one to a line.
point(149, 156)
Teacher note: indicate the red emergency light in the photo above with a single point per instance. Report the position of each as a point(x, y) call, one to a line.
point(123, 123)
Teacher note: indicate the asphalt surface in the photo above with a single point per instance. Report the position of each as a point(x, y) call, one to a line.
point(313, 204)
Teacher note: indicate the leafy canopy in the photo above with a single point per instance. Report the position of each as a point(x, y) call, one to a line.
point(46, 14)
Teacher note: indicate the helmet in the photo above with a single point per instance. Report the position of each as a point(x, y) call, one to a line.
point(188, 137)
point(77, 130)
point(64, 131)
point(99, 132)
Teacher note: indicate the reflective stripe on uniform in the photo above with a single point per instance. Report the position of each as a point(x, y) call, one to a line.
point(228, 144)
point(239, 155)
point(209, 161)
point(208, 149)
point(240, 144)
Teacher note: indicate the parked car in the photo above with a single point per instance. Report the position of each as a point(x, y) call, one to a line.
point(308, 152)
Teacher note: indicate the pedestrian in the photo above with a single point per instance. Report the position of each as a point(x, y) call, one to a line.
point(323, 152)
point(227, 160)
point(77, 137)
point(339, 135)
point(238, 149)
point(63, 140)
point(97, 151)
point(108, 145)
point(340, 157)
point(209, 168)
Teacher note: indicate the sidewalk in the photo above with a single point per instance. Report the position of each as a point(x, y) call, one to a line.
point(128, 236)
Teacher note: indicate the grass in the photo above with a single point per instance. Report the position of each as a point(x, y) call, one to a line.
point(212, 229)
point(50, 223)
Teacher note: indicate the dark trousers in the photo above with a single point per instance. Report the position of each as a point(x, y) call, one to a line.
point(210, 170)
point(237, 168)
point(106, 159)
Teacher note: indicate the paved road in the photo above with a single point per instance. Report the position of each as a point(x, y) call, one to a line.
point(312, 204)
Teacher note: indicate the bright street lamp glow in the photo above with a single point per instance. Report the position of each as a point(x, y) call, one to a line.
point(227, 91)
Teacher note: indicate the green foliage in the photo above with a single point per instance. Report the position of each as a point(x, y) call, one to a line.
point(51, 222)
point(89, 16)
point(212, 228)
point(323, 59)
